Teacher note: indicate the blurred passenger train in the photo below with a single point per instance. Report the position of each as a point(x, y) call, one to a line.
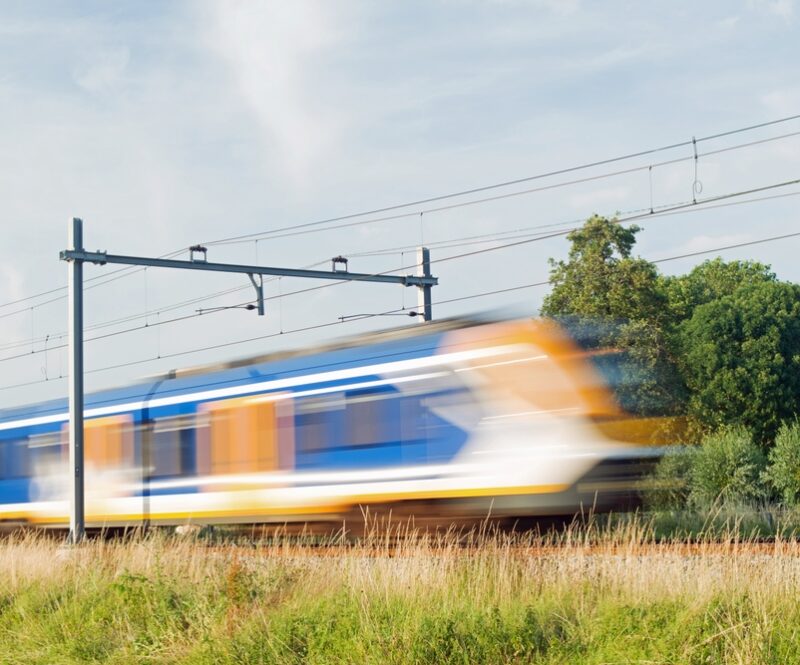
point(446, 421)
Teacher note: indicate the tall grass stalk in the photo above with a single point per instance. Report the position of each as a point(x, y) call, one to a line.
point(595, 592)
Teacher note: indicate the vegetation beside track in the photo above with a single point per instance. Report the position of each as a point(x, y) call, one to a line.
point(585, 595)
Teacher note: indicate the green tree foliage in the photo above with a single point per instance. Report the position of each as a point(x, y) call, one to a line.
point(727, 467)
point(783, 472)
point(601, 279)
point(649, 380)
point(721, 343)
point(710, 281)
point(602, 287)
point(740, 357)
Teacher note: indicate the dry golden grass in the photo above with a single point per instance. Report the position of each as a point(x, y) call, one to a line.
point(583, 596)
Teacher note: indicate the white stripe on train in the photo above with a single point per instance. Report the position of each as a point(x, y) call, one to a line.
point(279, 384)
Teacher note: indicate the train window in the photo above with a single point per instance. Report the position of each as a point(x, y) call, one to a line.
point(243, 435)
point(316, 422)
point(373, 418)
point(46, 450)
point(21, 458)
point(384, 416)
point(14, 459)
point(412, 420)
point(4, 464)
point(171, 453)
point(43, 442)
point(108, 441)
point(450, 404)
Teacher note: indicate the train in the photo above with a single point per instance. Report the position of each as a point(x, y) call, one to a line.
point(444, 421)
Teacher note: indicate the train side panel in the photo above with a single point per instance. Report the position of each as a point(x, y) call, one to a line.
point(495, 417)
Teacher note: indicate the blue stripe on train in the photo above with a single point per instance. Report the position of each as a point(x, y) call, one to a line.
point(333, 452)
point(340, 359)
point(14, 490)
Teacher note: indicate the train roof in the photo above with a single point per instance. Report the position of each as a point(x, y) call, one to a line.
point(352, 341)
point(242, 370)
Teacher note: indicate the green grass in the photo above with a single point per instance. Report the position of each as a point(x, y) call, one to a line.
point(753, 521)
point(588, 595)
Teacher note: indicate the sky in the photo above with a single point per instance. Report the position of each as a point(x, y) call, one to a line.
point(163, 125)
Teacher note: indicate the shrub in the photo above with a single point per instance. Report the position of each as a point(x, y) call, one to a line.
point(728, 466)
point(783, 472)
point(671, 480)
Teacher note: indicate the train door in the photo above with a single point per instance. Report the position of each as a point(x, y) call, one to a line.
point(245, 435)
point(108, 443)
point(108, 456)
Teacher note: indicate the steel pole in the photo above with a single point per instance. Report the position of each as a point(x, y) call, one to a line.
point(75, 298)
point(424, 304)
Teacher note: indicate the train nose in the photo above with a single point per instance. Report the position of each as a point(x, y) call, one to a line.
point(617, 482)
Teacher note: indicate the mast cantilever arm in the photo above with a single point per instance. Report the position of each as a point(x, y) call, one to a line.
point(103, 258)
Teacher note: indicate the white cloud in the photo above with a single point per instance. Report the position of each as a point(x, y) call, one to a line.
point(558, 7)
point(599, 198)
point(270, 48)
point(702, 243)
point(104, 70)
point(729, 22)
point(782, 8)
point(618, 55)
point(782, 102)
point(11, 283)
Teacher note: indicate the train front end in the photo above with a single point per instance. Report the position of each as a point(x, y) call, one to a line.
point(546, 435)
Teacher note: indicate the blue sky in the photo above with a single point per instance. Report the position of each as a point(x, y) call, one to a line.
point(167, 124)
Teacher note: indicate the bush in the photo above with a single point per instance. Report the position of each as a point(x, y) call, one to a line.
point(783, 472)
point(671, 481)
point(728, 467)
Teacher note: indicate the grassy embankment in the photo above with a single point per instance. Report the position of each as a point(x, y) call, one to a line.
point(583, 596)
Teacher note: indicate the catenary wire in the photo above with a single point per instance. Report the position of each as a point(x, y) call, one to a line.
point(391, 311)
point(697, 205)
point(676, 257)
point(524, 232)
point(133, 317)
point(276, 233)
point(93, 282)
point(508, 183)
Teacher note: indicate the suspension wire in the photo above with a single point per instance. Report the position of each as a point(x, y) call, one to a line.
point(280, 307)
point(133, 317)
point(630, 218)
point(127, 270)
point(100, 279)
point(680, 208)
point(547, 282)
point(391, 311)
point(278, 234)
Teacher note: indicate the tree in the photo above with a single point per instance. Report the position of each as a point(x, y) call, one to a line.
point(608, 298)
point(601, 280)
point(710, 281)
point(721, 342)
point(740, 357)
